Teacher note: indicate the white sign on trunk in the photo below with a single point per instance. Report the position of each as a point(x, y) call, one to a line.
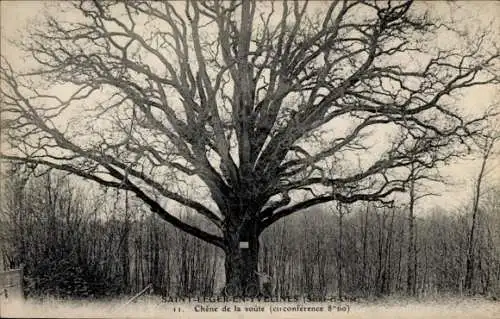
point(244, 244)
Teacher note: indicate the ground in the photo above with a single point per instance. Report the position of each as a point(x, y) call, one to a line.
point(453, 308)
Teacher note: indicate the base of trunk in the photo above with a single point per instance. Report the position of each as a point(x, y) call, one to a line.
point(241, 264)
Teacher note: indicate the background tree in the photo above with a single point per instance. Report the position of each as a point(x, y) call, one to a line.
point(81, 256)
point(419, 174)
point(486, 145)
point(250, 102)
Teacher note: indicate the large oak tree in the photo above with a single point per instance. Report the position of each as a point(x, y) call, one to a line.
point(264, 108)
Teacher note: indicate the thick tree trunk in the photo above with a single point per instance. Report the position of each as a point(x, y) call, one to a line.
point(241, 260)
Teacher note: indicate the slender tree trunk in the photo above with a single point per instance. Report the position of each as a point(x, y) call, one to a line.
point(425, 279)
point(415, 258)
point(168, 280)
point(400, 257)
point(183, 272)
point(339, 254)
point(411, 278)
point(137, 265)
point(387, 283)
point(490, 262)
point(469, 275)
point(125, 255)
point(470, 249)
point(279, 263)
point(365, 241)
point(307, 280)
point(155, 269)
point(380, 254)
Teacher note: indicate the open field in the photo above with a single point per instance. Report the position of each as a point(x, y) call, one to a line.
point(153, 308)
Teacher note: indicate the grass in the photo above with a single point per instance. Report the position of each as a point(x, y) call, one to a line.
point(453, 308)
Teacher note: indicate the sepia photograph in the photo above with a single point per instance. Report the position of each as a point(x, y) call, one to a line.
point(249, 159)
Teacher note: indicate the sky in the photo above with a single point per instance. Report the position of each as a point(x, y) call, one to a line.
point(16, 15)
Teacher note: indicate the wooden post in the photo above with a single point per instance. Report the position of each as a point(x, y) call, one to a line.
point(140, 293)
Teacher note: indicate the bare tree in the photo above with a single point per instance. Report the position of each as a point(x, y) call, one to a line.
point(419, 174)
point(486, 146)
point(243, 99)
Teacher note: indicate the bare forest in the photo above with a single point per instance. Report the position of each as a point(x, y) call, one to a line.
point(74, 245)
point(296, 148)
